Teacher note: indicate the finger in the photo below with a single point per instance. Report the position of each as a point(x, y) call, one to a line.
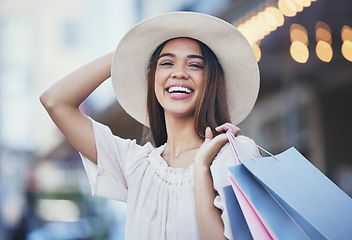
point(224, 127)
point(228, 127)
point(236, 131)
point(217, 142)
point(208, 133)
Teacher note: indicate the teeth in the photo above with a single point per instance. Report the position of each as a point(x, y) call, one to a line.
point(179, 89)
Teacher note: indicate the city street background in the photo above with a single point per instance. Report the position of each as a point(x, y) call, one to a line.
point(304, 52)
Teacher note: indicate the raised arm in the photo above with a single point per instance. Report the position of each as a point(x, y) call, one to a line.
point(63, 98)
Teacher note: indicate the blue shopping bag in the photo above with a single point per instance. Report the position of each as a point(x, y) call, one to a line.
point(239, 227)
point(289, 182)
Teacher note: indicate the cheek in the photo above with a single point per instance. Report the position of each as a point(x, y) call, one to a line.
point(157, 81)
point(158, 86)
point(199, 80)
point(160, 77)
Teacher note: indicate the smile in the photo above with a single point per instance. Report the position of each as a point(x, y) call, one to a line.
point(179, 91)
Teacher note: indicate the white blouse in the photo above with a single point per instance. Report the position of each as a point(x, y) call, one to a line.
point(159, 199)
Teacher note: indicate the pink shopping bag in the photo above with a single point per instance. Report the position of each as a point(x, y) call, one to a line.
point(293, 197)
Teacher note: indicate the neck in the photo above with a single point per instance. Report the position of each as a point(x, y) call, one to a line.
point(181, 136)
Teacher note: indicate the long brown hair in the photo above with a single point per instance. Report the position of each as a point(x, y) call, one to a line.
point(211, 108)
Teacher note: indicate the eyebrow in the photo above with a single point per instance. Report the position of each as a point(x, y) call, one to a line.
point(173, 55)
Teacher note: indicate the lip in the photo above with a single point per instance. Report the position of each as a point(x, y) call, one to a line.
point(178, 96)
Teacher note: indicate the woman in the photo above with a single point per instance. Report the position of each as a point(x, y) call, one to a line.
point(201, 75)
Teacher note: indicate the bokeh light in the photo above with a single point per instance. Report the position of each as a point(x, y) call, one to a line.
point(287, 7)
point(323, 32)
point(279, 17)
point(261, 24)
point(257, 51)
point(298, 33)
point(299, 5)
point(323, 37)
point(346, 50)
point(346, 33)
point(324, 51)
point(299, 52)
point(306, 3)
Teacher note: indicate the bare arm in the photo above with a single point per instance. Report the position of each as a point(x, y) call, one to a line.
point(63, 98)
point(209, 217)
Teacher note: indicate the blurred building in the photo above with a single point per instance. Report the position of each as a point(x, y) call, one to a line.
point(306, 84)
point(303, 102)
point(43, 188)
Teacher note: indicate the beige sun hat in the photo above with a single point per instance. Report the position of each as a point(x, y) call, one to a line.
point(129, 65)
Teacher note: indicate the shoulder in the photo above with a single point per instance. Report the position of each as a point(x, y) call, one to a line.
point(116, 146)
point(245, 146)
point(147, 149)
point(226, 158)
point(246, 149)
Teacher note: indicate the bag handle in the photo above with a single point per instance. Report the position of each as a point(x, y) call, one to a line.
point(232, 139)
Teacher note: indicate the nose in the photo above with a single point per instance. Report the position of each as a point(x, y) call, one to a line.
point(179, 72)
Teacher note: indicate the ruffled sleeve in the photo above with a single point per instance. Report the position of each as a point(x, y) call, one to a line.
point(220, 173)
point(107, 178)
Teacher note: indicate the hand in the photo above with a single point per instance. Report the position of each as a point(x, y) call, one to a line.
point(211, 146)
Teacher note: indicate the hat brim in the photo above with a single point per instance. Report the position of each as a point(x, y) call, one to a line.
point(128, 70)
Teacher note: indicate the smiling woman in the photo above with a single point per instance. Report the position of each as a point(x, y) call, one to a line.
point(177, 68)
point(211, 107)
point(202, 78)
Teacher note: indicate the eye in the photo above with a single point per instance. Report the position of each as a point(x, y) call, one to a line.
point(166, 63)
point(196, 65)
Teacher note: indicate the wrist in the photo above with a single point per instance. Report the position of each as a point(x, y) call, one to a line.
point(203, 160)
point(200, 164)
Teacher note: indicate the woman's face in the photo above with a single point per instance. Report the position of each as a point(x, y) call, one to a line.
point(179, 77)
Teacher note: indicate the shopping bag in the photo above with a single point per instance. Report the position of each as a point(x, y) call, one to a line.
point(264, 217)
point(314, 203)
point(238, 224)
point(244, 221)
point(275, 220)
point(256, 225)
